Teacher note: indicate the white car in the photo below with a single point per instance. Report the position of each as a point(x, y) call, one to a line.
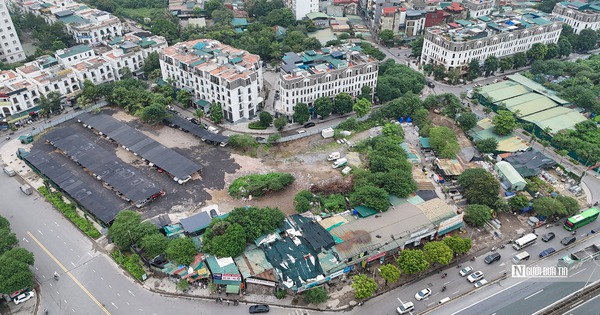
point(480, 283)
point(475, 276)
point(465, 271)
point(23, 297)
point(423, 294)
point(405, 308)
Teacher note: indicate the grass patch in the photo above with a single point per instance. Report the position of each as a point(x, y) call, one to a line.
point(70, 213)
point(131, 263)
point(259, 184)
point(139, 14)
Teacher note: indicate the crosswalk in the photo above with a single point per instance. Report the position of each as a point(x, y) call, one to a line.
point(299, 312)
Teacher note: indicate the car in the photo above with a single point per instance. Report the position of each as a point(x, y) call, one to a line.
point(260, 138)
point(465, 271)
point(23, 297)
point(309, 124)
point(301, 131)
point(568, 240)
point(492, 257)
point(480, 283)
point(548, 237)
point(423, 294)
point(475, 276)
point(547, 252)
point(261, 308)
point(405, 308)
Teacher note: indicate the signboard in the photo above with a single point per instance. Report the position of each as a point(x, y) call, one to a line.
point(259, 281)
point(382, 254)
point(446, 224)
point(231, 277)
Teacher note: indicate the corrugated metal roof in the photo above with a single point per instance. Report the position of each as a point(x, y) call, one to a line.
point(503, 90)
point(509, 172)
point(449, 167)
point(557, 119)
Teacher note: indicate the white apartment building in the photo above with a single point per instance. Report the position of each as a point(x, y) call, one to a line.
point(11, 50)
point(579, 15)
point(307, 76)
point(455, 47)
point(16, 93)
point(478, 8)
point(48, 75)
point(302, 7)
point(218, 73)
point(131, 50)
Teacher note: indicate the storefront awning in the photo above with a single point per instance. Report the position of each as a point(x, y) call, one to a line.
point(233, 289)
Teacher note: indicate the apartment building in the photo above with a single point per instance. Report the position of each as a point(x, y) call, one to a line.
point(579, 15)
point(307, 76)
point(455, 44)
point(11, 50)
point(477, 8)
point(218, 73)
point(48, 75)
point(131, 50)
point(302, 7)
point(16, 94)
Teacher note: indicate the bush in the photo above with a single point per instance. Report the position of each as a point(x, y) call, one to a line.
point(316, 295)
point(70, 213)
point(280, 294)
point(334, 203)
point(132, 264)
point(259, 184)
point(256, 125)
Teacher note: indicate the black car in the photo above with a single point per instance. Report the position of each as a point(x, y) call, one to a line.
point(309, 124)
point(548, 237)
point(568, 240)
point(491, 258)
point(262, 308)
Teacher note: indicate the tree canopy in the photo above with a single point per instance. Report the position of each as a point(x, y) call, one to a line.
point(477, 215)
point(301, 113)
point(182, 250)
point(14, 261)
point(390, 273)
point(443, 141)
point(363, 286)
point(412, 261)
point(480, 186)
point(128, 229)
point(259, 184)
point(438, 252)
point(504, 123)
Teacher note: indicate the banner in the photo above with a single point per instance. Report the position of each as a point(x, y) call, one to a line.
point(259, 281)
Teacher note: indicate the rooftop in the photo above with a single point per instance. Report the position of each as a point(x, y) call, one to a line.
point(72, 51)
point(586, 7)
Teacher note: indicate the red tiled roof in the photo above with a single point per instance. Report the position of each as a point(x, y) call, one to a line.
point(389, 10)
point(344, 1)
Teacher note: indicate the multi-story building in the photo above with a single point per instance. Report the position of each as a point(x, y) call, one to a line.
point(11, 50)
point(309, 75)
point(302, 7)
point(16, 93)
point(477, 8)
point(375, 10)
point(409, 22)
point(579, 15)
point(131, 50)
point(216, 73)
point(48, 75)
point(454, 45)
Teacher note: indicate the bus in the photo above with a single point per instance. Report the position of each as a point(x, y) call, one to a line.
point(525, 241)
point(579, 220)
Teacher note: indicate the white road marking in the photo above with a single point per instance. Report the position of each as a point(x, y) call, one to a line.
point(118, 294)
point(114, 305)
point(73, 264)
point(491, 296)
point(101, 278)
point(73, 310)
point(131, 293)
point(94, 270)
point(534, 294)
point(40, 232)
point(25, 239)
point(55, 223)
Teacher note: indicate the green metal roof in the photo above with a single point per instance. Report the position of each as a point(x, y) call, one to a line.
point(239, 22)
point(73, 19)
point(197, 62)
point(425, 143)
point(510, 173)
point(464, 22)
point(317, 15)
point(236, 60)
point(75, 50)
point(365, 211)
point(116, 40)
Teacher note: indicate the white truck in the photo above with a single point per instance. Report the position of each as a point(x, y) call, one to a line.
point(334, 156)
point(327, 133)
point(339, 163)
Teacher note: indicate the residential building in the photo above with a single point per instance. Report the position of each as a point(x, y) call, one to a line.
point(414, 23)
point(48, 75)
point(11, 50)
point(309, 75)
point(16, 93)
point(375, 11)
point(302, 7)
point(131, 50)
point(435, 17)
point(340, 8)
point(477, 8)
point(185, 8)
point(455, 44)
point(579, 15)
point(217, 73)
point(86, 65)
point(400, 20)
point(390, 19)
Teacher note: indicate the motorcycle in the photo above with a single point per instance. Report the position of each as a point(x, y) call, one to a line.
point(444, 275)
point(45, 312)
point(56, 276)
point(502, 246)
point(473, 258)
point(443, 288)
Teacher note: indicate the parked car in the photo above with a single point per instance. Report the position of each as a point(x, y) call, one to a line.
point(568, 240)
point(23, 297)
point(423, 294)
point(475, 276)
point(491, 258)
point(261, 308)
point(405, 308)
point(548, 237)
point(309, 124)
point(465, 271)
point(547, 252)
point(480, 283)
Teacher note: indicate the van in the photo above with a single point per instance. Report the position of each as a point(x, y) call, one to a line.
point(26, 189)
point(9, 171)
point(339, 163)
point(520, 257)
point(444, 300)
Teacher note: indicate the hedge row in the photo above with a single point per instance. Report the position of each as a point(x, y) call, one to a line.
point(131, 263)
point(69, 211)
point(256, 125)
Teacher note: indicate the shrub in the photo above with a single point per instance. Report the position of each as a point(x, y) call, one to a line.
point(280, 294)
point(70, 213)
point(256, 125)
point(259, 184)
point(131, 263)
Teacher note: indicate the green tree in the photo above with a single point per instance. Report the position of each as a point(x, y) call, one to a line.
point(244, 142)
point(14, 270)
point(8, 239)
point(153, 114)
point(216, 112)
point(165, 28)
point(127, 229)
point(259, 184)
point(518, 202)
point(199, 113)
point(280, 122)
point(537, 51)
point(467, 120)
point(519, 60)
point(488, 145)
point(546, 5)
point(387, 37)
point(151, 63)
point(474, 69)
point(224, 239)
point(438, 252)
point(506, 63)
point(443, 141)
point(548, 207)
point(183, 285)
point(301, 113)
point(458, 244)
point(504, 123)
point(416, 47)
point(490, 65)
point(274, 138)
point(366, 93)
point(372, 197)
point(154, 245)
point(477, 215)
point(570, 203)
point(389, 273)
point(316, 295)
point(412, 261)
point(342, 103)
point(182, 250)
point(363, 286)
point(283, 17)
point(480, 186)
point(303, 200)
point(184, 97)
point(587, 40)
point(323, 106)
point(564, 47)
point(265, 118)
point(361, 107)
point(90, 91)
point(212, 5)
point(553, 51)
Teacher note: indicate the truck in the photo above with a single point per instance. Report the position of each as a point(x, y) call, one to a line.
point(327, 133)
point(339, 163)
point(334, 156)
point(576, 259)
